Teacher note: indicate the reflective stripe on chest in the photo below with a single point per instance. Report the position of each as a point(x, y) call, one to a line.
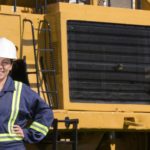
point(10, 136)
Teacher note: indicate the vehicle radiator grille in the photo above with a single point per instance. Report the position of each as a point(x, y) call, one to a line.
point(108, 63)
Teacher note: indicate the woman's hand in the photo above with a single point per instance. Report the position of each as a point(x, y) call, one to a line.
point(18, 130)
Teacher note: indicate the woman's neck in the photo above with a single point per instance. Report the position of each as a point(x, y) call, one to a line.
point(2, 82)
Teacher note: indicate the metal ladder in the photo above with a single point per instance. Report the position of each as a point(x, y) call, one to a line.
point(73, 136)
point(45, 69)
point(47, 73)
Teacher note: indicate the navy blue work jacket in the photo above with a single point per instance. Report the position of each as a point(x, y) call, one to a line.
point(31, 107)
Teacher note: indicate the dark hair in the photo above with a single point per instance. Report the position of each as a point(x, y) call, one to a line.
point(11, 61)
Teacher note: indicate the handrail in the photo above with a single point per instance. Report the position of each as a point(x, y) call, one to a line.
point(34, 47)
point(41, 7)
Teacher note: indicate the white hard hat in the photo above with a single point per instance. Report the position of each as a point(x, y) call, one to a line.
point(7, 49)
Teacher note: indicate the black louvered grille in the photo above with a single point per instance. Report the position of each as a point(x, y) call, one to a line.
point(108, 63)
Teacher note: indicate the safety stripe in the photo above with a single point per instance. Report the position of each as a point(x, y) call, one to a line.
point(39, 127)
point(10, 136)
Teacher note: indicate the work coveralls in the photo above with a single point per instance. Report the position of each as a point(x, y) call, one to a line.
point(18, 104)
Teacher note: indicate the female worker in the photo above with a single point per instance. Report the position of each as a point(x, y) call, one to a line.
point(18, 105)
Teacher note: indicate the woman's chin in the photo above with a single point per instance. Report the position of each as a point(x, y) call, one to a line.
point(1, 77)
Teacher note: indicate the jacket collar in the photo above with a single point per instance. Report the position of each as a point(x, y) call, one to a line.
point(9, 85)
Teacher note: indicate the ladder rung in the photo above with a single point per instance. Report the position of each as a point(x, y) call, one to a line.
point(42, 29)
point(34, 85)
point(47, 71)
point(29, 42)
point(30, 66)
point(32, 72)
point(45, 49)
point(54, 92)
point(43, 71)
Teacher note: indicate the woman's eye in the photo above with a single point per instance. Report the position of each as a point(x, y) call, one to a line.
point(5, 63)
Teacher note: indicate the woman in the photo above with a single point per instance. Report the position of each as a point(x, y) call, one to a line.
point(18, 105)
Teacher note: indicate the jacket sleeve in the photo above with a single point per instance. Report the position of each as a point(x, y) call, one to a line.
point(42, 118)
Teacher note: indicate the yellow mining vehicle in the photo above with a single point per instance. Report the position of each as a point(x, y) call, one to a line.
point(90, 61)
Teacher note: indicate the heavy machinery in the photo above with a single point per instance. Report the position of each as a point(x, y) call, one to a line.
point(90, 61)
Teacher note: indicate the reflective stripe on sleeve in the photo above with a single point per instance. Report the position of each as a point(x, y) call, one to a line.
point(39, 127)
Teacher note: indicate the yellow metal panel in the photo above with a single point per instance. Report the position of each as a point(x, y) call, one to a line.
point(106, 120)
point(92, 116)
point(10, 28)
point(66, 12)
point(13, 28)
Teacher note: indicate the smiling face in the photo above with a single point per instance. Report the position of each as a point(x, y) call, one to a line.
point(5, 68)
